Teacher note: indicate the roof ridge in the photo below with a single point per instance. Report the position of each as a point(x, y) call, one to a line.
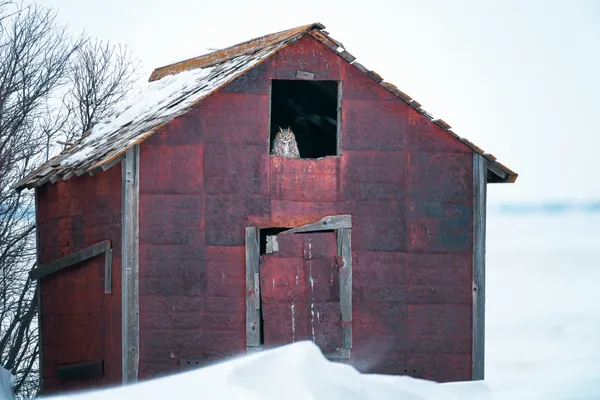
point(222, 55)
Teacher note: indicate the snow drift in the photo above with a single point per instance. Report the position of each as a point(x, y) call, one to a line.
point(300, 372)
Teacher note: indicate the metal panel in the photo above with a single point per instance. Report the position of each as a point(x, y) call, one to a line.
point(252, 301)
point(130, 266)
point(479, 215)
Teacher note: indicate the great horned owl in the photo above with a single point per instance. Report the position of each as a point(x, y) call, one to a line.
point(285, 144)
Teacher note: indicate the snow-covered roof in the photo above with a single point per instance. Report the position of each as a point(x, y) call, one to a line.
point(173, 89)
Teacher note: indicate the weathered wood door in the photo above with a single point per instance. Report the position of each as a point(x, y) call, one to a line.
point(300, 294)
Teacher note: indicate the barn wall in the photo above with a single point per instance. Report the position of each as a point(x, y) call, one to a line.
point(80, 322)
point(407, 184)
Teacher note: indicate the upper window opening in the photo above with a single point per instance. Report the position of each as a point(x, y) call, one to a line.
point(310, 110)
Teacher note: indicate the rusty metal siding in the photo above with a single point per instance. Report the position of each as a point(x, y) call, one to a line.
point(406, 182)
point(79, 321)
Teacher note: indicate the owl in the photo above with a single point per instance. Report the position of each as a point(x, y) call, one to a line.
point(285, 144)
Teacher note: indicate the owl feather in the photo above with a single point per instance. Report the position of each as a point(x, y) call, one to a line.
point(285, 144)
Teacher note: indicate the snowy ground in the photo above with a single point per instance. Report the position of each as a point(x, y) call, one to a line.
point(543, 297)
point(543, 333)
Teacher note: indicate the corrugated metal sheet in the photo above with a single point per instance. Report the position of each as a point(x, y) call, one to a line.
point(101, 147)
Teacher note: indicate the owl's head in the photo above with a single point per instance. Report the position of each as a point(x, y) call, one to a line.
point(286, 134)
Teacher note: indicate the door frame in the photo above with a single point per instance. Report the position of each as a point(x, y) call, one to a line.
point(342, 224)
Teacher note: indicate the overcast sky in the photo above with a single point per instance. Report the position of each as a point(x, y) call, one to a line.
point(520, 79)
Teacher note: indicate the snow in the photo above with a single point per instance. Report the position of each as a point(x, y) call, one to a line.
point(151, 103)
point(159, 102)
point(543, 325)
point(6, 381)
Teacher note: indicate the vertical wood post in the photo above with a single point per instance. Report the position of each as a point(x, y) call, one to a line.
point(39, 294)
point(130, 266)
point(479, 215)
point(340, 92)
point(253, 322)
point(345, 252)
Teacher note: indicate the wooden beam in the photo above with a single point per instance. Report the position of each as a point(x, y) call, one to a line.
point(39, 292)
point(478, 288)
point(340, 96)
point(495, 169)
point(325, 87)
point(305, 75)
point(339, 354)
point(253, 321)
point(324, 224)
point(130, 266)
point(272, 244)
point(70, 260)
point(108, 271)
point(112, 163)
point(345, 276)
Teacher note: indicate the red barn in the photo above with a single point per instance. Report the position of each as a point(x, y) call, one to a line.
point(169, 236)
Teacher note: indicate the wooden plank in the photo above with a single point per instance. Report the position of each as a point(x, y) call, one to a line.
point(130, 266)
point(68, 175)
point(324, 224)
point(345, 276)
point(493, 167)
point(442, 124)
point(256, 291)
point(70, 260)
point(375, 76)
point(347, 56)
point(360, 67)
point(479, 216)
point(108, 271)
point(402, 95)
point(425, 113)
point(304, 75)
point(339, 354)
point(112, 163)
point(80, 371)
point(38, 293)
point(252, 301)
point(340, 96)
point(272, 245)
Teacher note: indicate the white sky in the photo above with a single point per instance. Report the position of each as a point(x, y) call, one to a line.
point(518, 78)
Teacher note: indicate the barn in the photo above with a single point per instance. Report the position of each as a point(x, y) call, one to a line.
point(171, 237)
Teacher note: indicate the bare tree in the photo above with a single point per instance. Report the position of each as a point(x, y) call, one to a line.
point(101, 76)
point(53, 86)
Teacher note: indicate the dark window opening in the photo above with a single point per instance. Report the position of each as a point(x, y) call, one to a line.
point(310, 109)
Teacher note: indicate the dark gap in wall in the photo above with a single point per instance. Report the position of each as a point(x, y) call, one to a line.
point(310, 109)
point(268, 232)
point(263, 233)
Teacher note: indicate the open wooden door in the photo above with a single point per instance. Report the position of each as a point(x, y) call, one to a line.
point(305, 289)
